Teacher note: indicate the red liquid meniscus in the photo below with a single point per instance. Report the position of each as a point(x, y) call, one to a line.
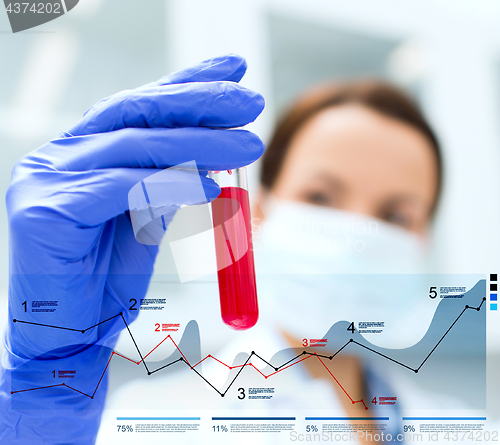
point(235, 263)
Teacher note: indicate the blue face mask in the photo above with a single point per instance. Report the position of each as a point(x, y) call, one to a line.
point(317, 266)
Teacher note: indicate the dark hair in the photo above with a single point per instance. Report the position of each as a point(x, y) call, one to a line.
point(379, 96)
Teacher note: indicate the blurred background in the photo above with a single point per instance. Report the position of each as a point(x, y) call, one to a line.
point(444, 52)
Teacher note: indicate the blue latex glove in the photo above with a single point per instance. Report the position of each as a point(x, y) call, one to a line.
point(71, 239)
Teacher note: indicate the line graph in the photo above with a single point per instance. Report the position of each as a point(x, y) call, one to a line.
point(304, 355)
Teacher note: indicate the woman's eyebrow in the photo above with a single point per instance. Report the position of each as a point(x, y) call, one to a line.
point(330, 180)
point(404, 198)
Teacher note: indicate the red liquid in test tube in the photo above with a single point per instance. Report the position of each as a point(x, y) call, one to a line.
point(234, 252)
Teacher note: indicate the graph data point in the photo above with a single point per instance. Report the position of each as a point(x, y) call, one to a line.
point(416, 371)
point(253, 352)
point(484, 298)
point(121, 313)
point(222, 395)
point(12, 392)
point(466, 306)
point(83, 331)
point(331, 357)
point(304, 352)
point(276, 369)
point(353, 402)
point(477, 309)
point(64, 384)
point(181, 359)
point(14, 320)
point(92, 397)
point(366, 407)
point(149, 373)
point(351, 340)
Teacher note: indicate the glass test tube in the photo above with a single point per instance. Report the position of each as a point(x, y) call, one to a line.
point(234, 250)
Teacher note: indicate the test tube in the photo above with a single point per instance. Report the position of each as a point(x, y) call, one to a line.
point(234, 250)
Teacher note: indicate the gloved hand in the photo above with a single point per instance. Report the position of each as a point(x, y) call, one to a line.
point(72, 243)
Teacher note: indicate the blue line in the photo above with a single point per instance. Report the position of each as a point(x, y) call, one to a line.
point(253, 418)
point(158, 418)
point(347, 418)
point(444, 418)
point(145, 192)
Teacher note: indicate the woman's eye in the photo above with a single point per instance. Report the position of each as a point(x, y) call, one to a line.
point(318, 198)
point(398, 218)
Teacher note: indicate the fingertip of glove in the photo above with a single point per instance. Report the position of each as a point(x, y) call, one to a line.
point(253, 145)
point(260, 103)
point(231, 67)
point(236, 105)
point(239, 64)
point(260, 146)
point(211, 189)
